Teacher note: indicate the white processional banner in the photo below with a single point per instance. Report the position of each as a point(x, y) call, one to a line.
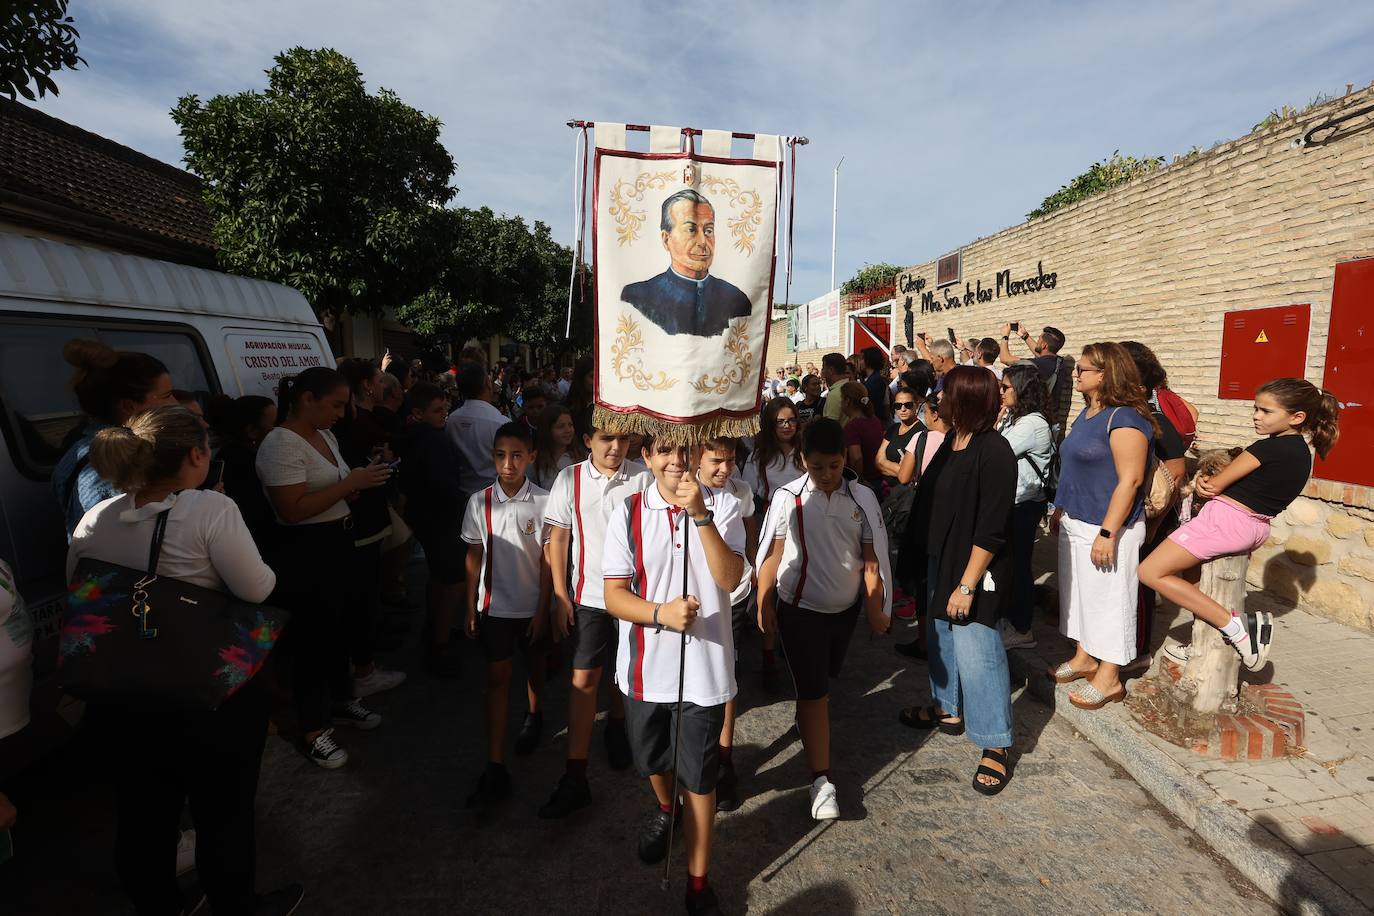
point(683, 248)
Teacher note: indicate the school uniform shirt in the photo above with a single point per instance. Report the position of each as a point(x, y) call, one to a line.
point(582, 500)
point(284, 458)
point(472, 428)
point(644, 543)
point(511, 531)
point(822, 556)
point(744, 496)
point(763, 480)
point(546, 478)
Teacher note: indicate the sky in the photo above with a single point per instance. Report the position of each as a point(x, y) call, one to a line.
point(953, 119)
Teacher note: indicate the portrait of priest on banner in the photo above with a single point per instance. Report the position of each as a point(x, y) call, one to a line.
point(686, 298)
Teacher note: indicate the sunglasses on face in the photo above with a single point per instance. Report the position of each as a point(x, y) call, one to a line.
point(904, 405)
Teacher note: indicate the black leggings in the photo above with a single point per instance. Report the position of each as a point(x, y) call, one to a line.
point(313, 583)
point(165, 758)
point(364, 600)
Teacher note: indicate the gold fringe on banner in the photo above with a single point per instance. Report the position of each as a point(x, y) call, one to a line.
point(677, 433)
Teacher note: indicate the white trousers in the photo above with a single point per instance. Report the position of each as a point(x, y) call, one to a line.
point(1097, 608)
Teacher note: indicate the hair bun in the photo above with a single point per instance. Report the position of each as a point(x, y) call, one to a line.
point(88, 355)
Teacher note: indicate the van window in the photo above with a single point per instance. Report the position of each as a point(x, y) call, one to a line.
point(41, 416)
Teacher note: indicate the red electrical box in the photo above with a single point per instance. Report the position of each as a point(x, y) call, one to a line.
point(1262, 344)
point(1350, 373)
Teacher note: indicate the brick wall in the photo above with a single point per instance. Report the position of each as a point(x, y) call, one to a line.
point(1249, 224)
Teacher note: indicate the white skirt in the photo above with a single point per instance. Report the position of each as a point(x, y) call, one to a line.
point(1097, 608)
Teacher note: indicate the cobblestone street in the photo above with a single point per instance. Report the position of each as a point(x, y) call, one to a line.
point(389, 834)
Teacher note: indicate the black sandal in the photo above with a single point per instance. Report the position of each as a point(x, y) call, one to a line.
point(925, 718)
point(1001, 757)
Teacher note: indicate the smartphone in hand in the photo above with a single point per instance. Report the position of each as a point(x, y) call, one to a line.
point(953, 338)
point(215, 476)
point(1015, 327)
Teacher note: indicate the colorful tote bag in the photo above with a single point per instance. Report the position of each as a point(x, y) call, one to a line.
point(131, 635)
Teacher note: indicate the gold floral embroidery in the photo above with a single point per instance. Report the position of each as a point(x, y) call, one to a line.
point(625, 358)
point(628, 220)
point(737, 345)
point(743, 227)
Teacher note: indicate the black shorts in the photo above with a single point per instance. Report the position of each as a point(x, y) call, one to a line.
point(445, 553)
point(503, 637)
point(594, 637)
point(652, 727)
point(743, 618)
point(815, 644)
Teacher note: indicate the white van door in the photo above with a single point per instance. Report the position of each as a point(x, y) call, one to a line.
point(259, 359)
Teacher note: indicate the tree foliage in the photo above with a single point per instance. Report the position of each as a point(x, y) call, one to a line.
point(320, 185)
point(1101, 176)
point(872, 276)
point(37, 38)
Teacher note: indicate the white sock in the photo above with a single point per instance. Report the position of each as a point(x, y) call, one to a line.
point(1235, 631)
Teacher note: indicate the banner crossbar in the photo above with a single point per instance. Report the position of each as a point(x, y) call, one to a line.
point(686, 131)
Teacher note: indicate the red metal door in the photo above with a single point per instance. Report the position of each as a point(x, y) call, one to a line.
point(1350, 373)
point(1262, 344)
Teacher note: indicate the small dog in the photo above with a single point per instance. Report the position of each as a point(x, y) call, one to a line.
point(1209, 464)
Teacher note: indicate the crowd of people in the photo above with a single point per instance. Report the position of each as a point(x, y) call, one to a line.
point(912, 486)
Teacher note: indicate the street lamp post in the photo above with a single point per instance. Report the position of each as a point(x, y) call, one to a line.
point(834, 221)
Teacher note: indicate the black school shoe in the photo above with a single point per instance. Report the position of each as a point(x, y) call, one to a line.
point(570, 795)
point(530, 733)
point(727, 788)
point(617, 745)
point(493, 786)
point(654, 831)
point(703, 903)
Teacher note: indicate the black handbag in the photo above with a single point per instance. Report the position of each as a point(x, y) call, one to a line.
point(134, 636)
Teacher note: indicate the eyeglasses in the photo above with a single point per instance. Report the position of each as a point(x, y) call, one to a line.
point(784, 422)
point(1079, 370)
point(904, 405)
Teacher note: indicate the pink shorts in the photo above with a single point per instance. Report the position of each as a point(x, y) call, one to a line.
point(1221, 529)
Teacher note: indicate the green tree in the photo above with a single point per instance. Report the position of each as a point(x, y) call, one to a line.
point(1101, 176)
point(320, 185)
point(37, 38)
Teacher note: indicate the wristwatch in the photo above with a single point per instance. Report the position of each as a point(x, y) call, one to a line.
point(964, 589)
point(706, 519)
point(1103, 532)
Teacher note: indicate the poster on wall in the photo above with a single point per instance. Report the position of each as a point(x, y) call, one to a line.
point(801, 339)
point(823, 321)
point(684, 270)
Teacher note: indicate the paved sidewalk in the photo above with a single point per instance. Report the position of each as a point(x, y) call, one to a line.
point(1319, 803)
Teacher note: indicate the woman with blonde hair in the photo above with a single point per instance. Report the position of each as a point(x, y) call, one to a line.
point(167, 757)
point(863, 434)
point(1100, 522)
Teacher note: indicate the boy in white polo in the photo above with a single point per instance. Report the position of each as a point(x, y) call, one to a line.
point(508, 588)
point(580, 503)
point(822, 555)
point(644, 564)
point(717, 469)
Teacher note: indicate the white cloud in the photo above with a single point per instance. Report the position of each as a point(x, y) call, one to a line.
point(954, 120)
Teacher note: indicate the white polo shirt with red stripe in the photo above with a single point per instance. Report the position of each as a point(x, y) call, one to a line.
point(581, 500)
point(823, 536)
point(511, 531)
point(736, 487)
point(765, 480)
point(644, 545)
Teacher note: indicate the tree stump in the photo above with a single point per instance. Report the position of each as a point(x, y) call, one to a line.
point(1211, 678)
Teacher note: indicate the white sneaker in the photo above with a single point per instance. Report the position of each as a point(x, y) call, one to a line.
point(824, 805)
point(357, 715)
point(1178, 652)
point(377, 681)
point(326, 753)
point(1013, 638)
point(186, 852)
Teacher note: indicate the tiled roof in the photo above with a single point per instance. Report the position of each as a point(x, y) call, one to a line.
point(47, 161)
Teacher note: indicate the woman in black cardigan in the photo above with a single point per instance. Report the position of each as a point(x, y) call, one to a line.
point(964, 506)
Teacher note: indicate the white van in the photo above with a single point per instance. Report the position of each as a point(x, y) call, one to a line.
point(215, 332)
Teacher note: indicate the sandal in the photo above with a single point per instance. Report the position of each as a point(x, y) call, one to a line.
point(1067, 674)
point(1001, 757)
point(1089, 697)
point(928, 717)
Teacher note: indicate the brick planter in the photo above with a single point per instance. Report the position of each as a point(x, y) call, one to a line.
point(1271, 726)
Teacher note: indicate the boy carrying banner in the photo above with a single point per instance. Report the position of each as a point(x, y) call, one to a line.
point(675, 647)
